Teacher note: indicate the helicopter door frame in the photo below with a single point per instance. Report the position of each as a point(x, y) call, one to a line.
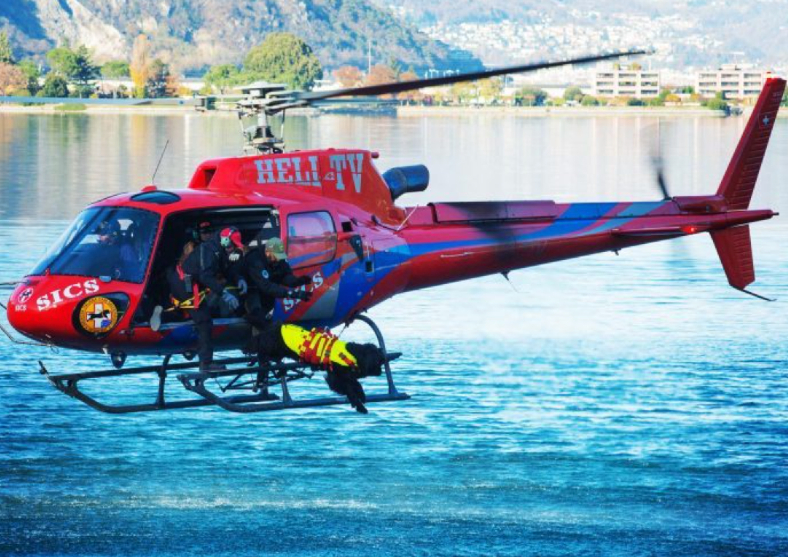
point(219, 216)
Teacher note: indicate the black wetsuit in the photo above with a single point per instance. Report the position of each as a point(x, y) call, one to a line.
point(267, 282)
point(205, 265)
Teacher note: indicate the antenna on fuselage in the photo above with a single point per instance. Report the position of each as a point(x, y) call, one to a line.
point(153, 178)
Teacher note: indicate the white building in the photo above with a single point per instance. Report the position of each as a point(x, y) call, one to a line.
point(621, 82)
point(734, 82)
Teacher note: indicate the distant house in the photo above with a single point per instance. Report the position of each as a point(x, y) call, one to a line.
point(733, 81)
point(627, 82)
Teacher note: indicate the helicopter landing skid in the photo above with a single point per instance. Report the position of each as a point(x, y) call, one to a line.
point(249, 388)
point(256, 381)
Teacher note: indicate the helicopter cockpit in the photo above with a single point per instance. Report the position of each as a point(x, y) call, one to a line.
point(109, 243)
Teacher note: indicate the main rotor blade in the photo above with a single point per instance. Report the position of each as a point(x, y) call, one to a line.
point(661, 182)
point(401, 87)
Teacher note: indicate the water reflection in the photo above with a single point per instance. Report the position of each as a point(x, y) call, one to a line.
point(53, 165)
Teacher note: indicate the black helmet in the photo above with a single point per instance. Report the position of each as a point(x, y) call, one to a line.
point(108, 231)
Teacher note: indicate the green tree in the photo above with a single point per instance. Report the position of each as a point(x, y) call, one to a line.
point(283, 57)
point(573, 94)
point(75, 66)
point(54, 86)
point(717, 103)
point(588, 100)
point(157, 79)
point(63, 61)
point(30, 69)
point(115, 69)
point(86, 70)
point(6, 52)
point(530, 96)
point(223, 76)
point(785, 98)
point(636, 102)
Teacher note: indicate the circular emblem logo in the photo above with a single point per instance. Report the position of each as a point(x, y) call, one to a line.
point(24, 296)
point(98, 315)
point(265, 274)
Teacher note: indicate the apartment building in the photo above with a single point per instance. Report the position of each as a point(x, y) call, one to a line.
point(620, 82)
point(733, 81)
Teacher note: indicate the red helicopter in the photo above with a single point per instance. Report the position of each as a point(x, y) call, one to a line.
point(339, 220)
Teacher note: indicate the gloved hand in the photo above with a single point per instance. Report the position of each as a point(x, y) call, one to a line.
point(303, 281)
point(300, 295)
point(230, 300)
point(243, 288)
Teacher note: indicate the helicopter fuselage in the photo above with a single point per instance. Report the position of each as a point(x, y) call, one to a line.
point(338, 218)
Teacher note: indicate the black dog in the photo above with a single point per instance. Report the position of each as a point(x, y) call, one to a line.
point(343, 380)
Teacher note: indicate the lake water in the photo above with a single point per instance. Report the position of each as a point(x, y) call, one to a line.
point(631, 405)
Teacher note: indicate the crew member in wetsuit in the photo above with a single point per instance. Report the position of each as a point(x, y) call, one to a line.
point(206, 267)
point(270, 277)
point(203, 232)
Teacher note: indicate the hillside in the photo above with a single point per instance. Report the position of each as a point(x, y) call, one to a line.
point(192, 34)
point(685, 32)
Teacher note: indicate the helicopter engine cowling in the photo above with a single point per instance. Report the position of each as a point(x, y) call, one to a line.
point(407, 179)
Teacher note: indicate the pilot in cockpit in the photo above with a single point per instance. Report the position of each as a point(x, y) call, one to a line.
point(119, 256)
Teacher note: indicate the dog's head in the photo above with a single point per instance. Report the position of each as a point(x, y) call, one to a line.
point(369, 357)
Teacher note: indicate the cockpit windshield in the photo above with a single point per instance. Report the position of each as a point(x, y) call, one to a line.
point(111, 242)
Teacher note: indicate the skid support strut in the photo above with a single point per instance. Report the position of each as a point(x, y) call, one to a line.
point(247, 389)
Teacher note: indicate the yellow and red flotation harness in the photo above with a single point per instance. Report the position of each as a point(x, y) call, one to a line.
point(318, 347)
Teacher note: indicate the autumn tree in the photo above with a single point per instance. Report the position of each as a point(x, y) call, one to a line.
point(284, 58)
point(11, 79)
point(464, 92)
point(380, 74)
point(348, 76)
point(490, 89)
point(6, 52)
point(140, 66)
point(410, 96)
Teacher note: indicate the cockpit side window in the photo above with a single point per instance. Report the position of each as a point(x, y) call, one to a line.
point(311, 238)
point(111, 242)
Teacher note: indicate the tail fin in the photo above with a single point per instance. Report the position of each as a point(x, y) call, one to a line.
point(739, 181)
point(735, 251)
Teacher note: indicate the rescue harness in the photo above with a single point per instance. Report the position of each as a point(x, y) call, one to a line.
point(318, 347)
